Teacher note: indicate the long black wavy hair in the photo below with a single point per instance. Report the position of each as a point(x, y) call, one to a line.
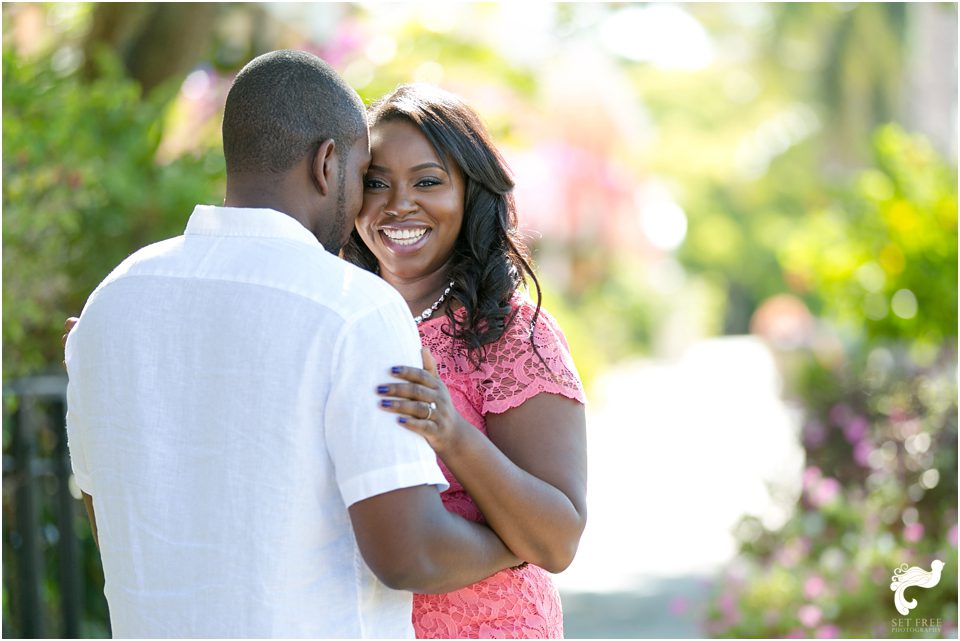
point(490, 260)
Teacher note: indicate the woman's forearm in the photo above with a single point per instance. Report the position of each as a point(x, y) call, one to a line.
point(537, 505)
point(411, 542)
point(448, 568)
point(537, 521)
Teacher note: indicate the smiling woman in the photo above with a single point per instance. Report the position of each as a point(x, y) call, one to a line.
point(502, 404)
point(435, 169)
point(412, 206)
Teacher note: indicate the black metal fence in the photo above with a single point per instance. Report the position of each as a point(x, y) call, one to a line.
point(52, 579)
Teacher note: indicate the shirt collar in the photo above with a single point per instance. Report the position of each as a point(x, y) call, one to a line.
point(209, 220)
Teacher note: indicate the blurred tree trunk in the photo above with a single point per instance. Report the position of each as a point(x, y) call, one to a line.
point(859, 77)
point(864, 77)
point(930, 98)
point(155, 41)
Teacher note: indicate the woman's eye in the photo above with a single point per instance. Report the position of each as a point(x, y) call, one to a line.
point(373, 183)
point(427, 182)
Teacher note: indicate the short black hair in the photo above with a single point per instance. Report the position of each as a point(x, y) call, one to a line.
point(281, 106)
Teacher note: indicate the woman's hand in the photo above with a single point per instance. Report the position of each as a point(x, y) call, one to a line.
point(423, 403)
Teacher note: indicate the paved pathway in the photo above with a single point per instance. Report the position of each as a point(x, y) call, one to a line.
point(677, 452)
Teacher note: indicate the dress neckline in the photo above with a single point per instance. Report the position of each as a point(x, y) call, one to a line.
point(516, 299)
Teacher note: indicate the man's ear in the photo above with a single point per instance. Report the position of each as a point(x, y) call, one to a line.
point(324, 165)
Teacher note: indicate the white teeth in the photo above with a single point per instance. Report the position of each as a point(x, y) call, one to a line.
point(405, 236)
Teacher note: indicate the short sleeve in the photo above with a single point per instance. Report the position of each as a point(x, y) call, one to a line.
point(371, 453)
point(76, 425)
point(513, 372)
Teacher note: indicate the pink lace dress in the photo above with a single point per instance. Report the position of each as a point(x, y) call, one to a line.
point(517, 602)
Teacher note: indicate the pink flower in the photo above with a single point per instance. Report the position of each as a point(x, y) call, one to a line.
point(679, 606)
point(795, 634)
point(878, 574)
point(826, 492)
point(809, 615)
point(728, 605)
point(814, 586)
point(899, 414)
point(913, 532)
point(851, 582)
point(828, 631)
point(811, 476)
point(856, 429)
point(840, 414)
point(793, 552)
point(714, 628)
point(348, 39)
point(814, 434)
point(952, 536)
point(862, 451)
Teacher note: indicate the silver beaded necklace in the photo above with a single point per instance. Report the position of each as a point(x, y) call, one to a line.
point(428, 312)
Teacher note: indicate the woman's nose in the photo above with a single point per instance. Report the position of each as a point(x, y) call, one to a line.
point(399, 204)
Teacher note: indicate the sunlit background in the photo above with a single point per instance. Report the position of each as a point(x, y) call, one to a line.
point(745, 220)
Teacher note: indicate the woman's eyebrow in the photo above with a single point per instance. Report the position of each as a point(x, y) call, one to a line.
point(426, 165)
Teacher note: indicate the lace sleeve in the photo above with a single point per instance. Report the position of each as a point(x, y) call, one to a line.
point(513, 373)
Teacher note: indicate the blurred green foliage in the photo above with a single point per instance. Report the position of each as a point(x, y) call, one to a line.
point(884, 256)
point(585, 314)
point(880, 418)
point(755, 143)
point(82, 189)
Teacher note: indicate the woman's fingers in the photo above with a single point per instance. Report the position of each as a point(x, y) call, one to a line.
point(415, 375)
point(412, 391)
point(67, 326)
point(425, 428)
point(413, 409)
point(429, 363)
point(423, 403)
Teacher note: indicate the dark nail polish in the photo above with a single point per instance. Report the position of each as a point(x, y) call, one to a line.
point(394, 370)
point(382, 389)
point(386, 403)
point(402, 419)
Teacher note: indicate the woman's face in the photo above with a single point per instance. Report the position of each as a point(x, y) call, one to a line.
point(412, 207)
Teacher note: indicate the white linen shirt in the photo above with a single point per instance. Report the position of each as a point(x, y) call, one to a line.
point(222, 414)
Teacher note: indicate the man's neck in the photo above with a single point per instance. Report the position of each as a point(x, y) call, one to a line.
point(255, 196)
point(252, 200)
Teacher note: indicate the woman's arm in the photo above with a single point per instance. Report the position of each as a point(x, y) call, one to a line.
point(412, 543)
point(529, 478)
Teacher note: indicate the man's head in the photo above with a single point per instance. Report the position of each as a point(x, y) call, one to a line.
point(295, 139)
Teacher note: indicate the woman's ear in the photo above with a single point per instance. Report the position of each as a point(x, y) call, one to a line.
point(324, 165)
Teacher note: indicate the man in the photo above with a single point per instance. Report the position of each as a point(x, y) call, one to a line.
point(222, 419)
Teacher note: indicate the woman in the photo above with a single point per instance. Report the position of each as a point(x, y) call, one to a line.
point(502, 405)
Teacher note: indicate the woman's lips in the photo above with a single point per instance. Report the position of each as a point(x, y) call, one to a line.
point(404, 240)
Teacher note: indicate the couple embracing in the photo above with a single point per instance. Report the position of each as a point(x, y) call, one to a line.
point(328, 409)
